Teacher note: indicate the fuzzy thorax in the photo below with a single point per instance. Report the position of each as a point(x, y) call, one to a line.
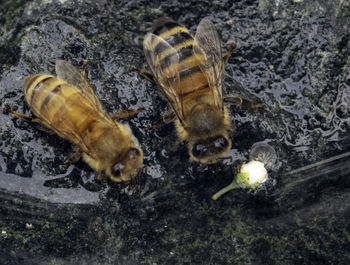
point(113, 147)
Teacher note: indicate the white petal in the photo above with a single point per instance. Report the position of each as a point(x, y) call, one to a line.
point(257, 172)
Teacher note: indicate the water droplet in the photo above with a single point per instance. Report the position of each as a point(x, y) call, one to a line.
point(263, 153)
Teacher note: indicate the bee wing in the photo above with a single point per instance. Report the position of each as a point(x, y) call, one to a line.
point(207, 50)
point(73, 76)
point(67, 127)
point(164, 67)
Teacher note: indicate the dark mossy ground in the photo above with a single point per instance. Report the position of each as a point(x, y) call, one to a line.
point(293, 56)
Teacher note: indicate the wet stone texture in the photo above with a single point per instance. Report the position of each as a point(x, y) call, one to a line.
point(291, 56)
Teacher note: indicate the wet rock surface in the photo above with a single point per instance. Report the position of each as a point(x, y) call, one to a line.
point(292, 56)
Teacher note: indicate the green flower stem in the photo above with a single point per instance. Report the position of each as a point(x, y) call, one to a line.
point(232, 186)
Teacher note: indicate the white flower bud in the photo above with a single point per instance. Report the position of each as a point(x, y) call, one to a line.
point(252, 174)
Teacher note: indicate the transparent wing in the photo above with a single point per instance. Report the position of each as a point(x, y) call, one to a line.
point(207, 49)
point(64, 123)
point(73, 76)
point(163, 60)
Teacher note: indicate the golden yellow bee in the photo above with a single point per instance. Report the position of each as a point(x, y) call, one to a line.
point(68, 106)
point(189, 73)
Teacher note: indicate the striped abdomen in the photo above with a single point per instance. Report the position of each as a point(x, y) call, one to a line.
point(191, 78)
point(59, 105)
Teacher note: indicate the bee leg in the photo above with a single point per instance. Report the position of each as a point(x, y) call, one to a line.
point(83, 68)
point(102, 177)
point(35, 122)
point(168, 117)
point(132, 184)
point(227, 55)
point(234, 100)
point(177, 146)
point(127, 113)
point(20, 115)
point(135, 181)
point(74, 157)
point(239, 101)
point(144, 73)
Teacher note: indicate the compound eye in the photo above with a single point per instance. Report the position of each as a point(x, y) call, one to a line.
point(133, 153)
point(199, 150)
point(117, 169)
point(220, 142)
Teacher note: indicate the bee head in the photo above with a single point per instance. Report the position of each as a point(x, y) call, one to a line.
point(210, 150)
point(208, 136)
point(128, 167)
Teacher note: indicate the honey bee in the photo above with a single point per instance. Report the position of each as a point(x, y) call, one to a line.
point(68, 106)
point(189, 73)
